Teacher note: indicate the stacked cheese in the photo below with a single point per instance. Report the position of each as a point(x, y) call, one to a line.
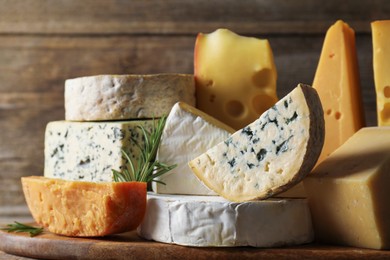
point(108, 110)
point(78, 197)
point(236, 84)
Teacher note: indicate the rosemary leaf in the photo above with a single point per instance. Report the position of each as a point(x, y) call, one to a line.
point(19, 227)
point(147, 167)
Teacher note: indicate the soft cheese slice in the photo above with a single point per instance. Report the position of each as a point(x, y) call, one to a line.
point(381, 61)
point(211, 221)
point(188, 133)
point(89, 151)
point(235, 77)
point(338, 85)
point(270, 155)
point(121, 97)
point(74, 208)
point(349, 192)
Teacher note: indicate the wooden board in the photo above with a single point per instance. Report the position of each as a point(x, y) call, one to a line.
point(130, 246)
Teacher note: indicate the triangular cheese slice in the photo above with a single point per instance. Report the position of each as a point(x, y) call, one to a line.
point(188, 132)
point(269, 155)
point(338, 85)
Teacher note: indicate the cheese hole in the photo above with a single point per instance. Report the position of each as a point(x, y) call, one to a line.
point(280, 171)
point(331, 55)
point(262, 102)
point(209, 83)
point(337, 115)
point(385, 113)
point(386, 91)
point(329, 111)
point(235, 108)
point(262, 78)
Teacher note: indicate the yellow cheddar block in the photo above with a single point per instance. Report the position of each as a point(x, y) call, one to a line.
point(349, 192)
point(235, 77)
point(381, 62)
point(338, 85)
point(75, 208)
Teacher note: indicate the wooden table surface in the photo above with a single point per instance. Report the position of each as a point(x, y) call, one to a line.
point(130, 246)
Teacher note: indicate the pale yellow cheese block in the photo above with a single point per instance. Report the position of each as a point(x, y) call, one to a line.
point(349, 192)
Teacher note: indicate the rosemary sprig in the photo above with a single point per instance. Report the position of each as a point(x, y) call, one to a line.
point(147, 167)
point(19, 227)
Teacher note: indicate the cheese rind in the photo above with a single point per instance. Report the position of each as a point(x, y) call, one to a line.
point(89, 151)
point(188, 132)
point(381, 62)
point(338, 85)
point(235, 77)
point(75, 208)
point(270, 155)
point(121, 97)
point(211, 221)
point(349, 192)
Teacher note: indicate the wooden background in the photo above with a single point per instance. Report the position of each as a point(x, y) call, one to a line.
point(42, 43)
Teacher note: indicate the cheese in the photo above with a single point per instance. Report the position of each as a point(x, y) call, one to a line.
point(211, 221)
point(349, 192)
point(270, 155)
point(89, 151)
point(121, 97)
point(381, 61)
point(338, 85)
point(235, 77)
point(75, 208)
point(187, 134)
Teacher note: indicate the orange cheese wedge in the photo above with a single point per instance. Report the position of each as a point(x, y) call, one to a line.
point(75, 208)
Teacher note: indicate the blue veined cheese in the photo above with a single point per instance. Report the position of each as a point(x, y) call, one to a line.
point(188, 133)
point(212, 221)
point(124, 97)
point(269, 155)
point(88, 151)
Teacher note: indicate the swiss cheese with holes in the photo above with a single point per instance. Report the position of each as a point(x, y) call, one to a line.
point(381, 55)
point(338, 85)
point(235, 77)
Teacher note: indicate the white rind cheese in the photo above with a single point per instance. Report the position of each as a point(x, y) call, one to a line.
point(211, 221)
point(270, 155)
point(88, 151)
point(187, 134)
point(121, 97)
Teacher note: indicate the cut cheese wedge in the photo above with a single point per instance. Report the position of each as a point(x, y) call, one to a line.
point(121, 97)
point(381, 62)
point(188, 133)
point(338, 85)
point(211, 221)
point(270, 155)
point(349, 192)
point(235, 77)
point(73, 208)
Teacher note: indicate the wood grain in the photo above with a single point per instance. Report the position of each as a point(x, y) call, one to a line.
point(185, 17)
point(130, 246)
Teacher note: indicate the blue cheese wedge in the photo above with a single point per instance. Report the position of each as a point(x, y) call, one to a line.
point(270, 155)
point(212, 221)
point(88, 151)
point(122, 97)
point(188, 133)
